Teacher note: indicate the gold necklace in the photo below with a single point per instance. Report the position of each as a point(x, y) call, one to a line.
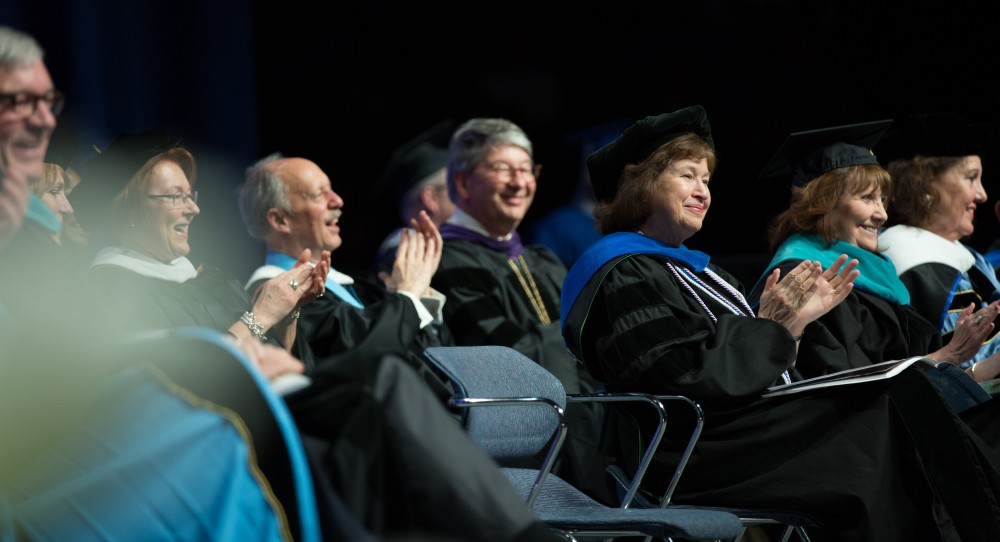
point(530, 288)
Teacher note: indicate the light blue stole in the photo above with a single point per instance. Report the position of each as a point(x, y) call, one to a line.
point(285, 261)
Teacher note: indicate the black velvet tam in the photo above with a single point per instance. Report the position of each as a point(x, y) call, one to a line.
point(638, 142)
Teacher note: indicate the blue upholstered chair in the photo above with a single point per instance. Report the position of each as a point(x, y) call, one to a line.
point(513, 408)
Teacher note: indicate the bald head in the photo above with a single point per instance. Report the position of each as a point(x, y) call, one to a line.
point(289, 204)
point(292, 165)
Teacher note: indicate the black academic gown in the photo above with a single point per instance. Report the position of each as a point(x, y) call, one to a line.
point(488, 306)
point(992, 255)
point(887, 460)
point(938, 291)
point(138, 303)
point(37, 275)
point(389, 324)
point(379, 445)
point(862, 330)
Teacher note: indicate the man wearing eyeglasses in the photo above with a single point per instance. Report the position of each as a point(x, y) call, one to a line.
point(501, 292)
point(29, 104)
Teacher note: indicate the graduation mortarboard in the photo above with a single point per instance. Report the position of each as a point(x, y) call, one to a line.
point(415, 160)
point(934, 134)
point(811, 153)
point(638, 142)
point(110, 171)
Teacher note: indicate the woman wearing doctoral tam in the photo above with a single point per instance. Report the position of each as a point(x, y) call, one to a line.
point(838, 206)
point(936, 162)
point(647, 314)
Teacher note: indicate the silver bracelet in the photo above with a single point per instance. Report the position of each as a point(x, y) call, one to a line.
point(251, 321)
point(297, 314)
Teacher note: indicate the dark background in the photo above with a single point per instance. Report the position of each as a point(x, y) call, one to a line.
point(345, 83)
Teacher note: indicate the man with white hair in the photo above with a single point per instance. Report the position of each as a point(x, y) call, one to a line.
point(392, 450)
point(288, 203)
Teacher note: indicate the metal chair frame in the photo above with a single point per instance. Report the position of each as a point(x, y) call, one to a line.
point(661, 523)
point(794, 523)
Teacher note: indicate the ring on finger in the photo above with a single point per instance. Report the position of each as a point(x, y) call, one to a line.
point(294, 284)
point(977, 320)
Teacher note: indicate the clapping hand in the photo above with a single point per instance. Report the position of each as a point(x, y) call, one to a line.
point(320, 269)
point(832, 287)
point(806, 293)
point(971, 329)
point(275, 299)
point(417, 257)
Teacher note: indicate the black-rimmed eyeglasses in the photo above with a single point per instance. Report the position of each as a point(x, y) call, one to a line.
point(505, 171)
point(178, 199)
point(25, 104)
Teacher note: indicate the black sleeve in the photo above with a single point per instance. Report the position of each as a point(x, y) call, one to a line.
point(930, 286)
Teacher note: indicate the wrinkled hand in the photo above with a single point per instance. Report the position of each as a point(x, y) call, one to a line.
point(971, 330)
point(832, 287)
point(417, 257)
point(781, 300)
point(321, 268)
point(271, 360)
point(276, 299)
point(806, 293)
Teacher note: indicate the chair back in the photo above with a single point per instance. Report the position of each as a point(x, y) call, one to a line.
point(499, 372)
point(522, 414)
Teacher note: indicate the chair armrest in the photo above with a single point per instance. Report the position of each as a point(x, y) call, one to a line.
point(554, 448)
point(689, 449)
point(657, 403)
point(647, 457)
